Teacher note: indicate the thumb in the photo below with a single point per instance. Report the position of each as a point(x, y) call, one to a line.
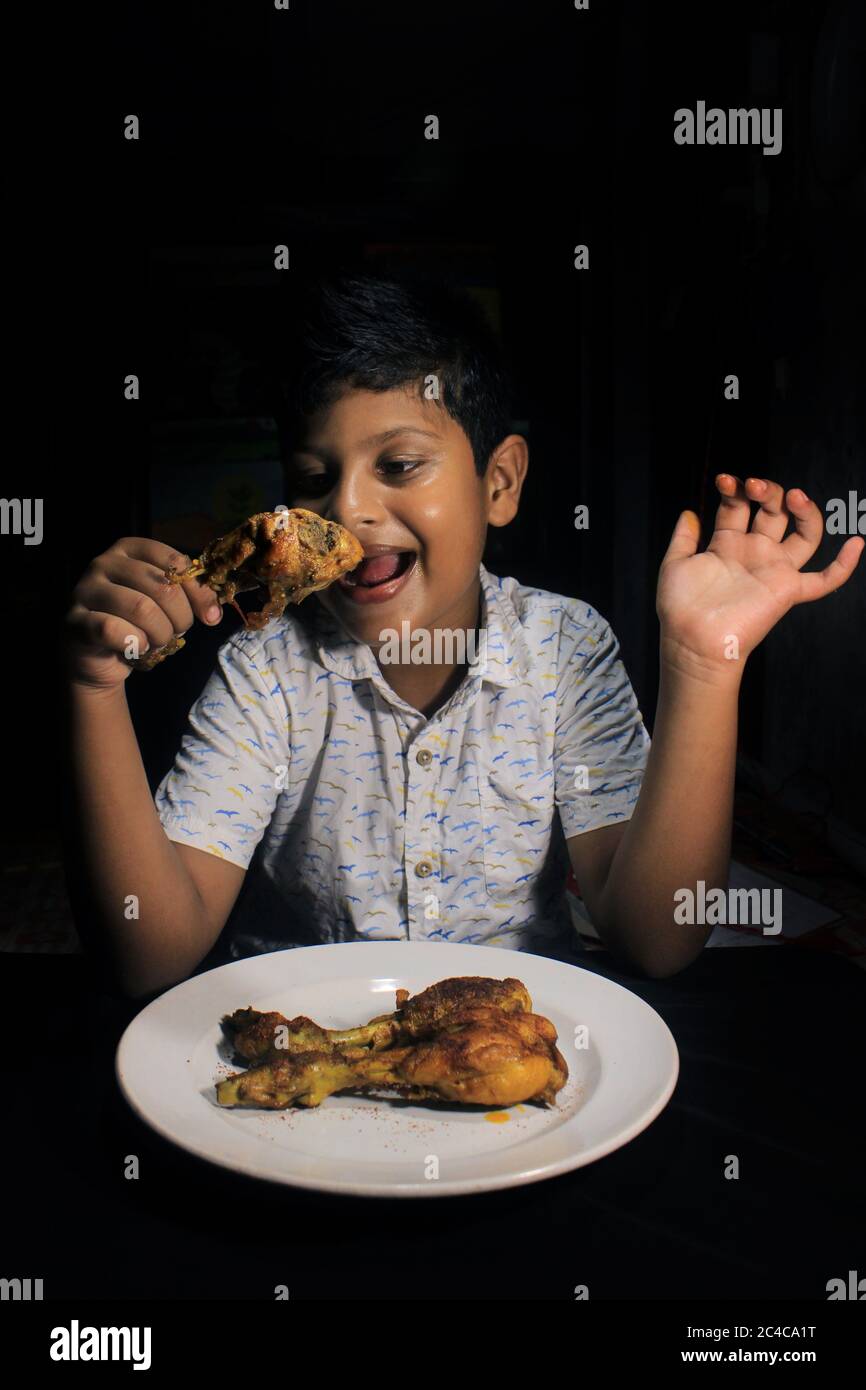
point(684, 541)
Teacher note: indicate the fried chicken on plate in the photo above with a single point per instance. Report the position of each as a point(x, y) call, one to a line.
point(469, 1040)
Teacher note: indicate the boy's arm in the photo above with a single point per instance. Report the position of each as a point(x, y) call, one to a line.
point(714, 608)
point(119, 848)
point(679, 832)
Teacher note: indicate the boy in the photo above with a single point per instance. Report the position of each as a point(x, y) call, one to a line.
point(440, 799)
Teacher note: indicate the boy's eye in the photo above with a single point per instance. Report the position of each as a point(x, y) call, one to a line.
point(402, 466)
point(310, 484)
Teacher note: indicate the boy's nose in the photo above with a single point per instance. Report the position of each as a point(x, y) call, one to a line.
point(355, 502)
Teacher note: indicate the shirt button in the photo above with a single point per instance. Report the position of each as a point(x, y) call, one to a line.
point(423, 869)
point(424, 757)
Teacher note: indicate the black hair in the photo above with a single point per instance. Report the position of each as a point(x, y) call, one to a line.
point(378, 333)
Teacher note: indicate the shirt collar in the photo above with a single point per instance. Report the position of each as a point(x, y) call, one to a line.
point(507, 657)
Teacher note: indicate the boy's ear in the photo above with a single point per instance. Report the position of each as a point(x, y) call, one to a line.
point(505, 474)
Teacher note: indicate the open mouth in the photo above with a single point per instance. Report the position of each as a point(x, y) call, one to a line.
point(377, 571)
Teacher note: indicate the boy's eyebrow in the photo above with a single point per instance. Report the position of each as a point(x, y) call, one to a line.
point(399, 429)
point(373, 439)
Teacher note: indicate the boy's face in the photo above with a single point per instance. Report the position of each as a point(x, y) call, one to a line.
point(397, 471)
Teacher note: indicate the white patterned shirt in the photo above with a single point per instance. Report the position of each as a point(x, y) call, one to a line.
point(368, 820)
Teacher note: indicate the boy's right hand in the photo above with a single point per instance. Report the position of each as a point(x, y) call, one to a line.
point(123, 594)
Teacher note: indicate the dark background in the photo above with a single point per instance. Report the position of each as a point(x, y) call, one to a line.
point(556, 128)
point(306, 127)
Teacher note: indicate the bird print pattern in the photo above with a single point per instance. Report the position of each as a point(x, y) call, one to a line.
point(362, 819)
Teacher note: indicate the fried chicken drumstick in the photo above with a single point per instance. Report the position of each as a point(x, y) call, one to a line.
point(487, 1058)
point(255, 1034)
point(291, 553)
point(470, 1040)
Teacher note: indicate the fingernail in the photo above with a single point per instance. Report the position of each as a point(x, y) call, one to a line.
point(214, 613)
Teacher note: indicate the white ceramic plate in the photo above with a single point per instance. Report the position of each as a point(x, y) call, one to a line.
point(173, 1052)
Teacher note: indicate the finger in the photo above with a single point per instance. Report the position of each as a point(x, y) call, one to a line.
point(161, 558)
point(685, 538)
point(202, 600)
point(772, 517)
point(818, 584)
point(140, 574)
point(106, 631)
point(153, 552)
point(734, 511)
point(137, 610)
point(184, 602)
point(804, 540)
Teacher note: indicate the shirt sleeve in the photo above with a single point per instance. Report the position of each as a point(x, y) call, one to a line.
point(600, 744)
point(221, 792)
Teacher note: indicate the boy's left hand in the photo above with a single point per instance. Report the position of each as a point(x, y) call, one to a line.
point(715, 607)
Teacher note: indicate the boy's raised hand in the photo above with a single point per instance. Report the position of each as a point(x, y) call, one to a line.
point(716, 606)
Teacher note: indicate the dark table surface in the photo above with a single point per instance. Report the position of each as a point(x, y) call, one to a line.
point(771, 1043)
